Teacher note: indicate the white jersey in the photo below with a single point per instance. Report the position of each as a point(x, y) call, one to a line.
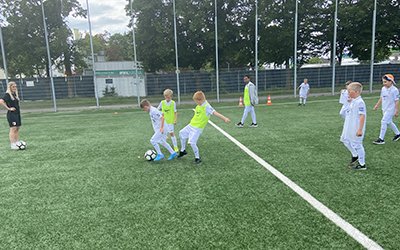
point(352, 121)
point(155, 116)
point(344, 96)
point(389, 97)
point(304, 88)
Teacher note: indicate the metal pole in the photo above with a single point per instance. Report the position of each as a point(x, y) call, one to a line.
point(334, 48)
point(49, 58)
point(3, 53)
point(96, 95)
point(216, 49)
point(176, 54)
point(371, 77)
point(134, 54)
point(256, 45)
point(295, 50)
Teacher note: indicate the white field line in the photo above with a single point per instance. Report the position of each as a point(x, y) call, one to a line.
point(328, 213)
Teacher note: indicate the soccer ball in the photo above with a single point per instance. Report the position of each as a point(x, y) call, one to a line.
point(21, 145)
point(150, 155)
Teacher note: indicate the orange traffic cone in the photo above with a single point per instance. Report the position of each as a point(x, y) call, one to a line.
point(240, 102)
point(269, 102)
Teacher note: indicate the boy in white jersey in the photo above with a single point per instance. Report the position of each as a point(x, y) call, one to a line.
point(344, 100)
point(354, 127)
point(160, 136)
point(390, 107)
point(168, 108)
point(196, 126)
point(249, 99)
point(304, 91)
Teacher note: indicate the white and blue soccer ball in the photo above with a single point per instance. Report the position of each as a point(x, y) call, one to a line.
point(21, 145)
point(150, 155)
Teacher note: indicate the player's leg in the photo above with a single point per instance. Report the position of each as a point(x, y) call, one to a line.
point(173, 138)
point(193, 138)
point(358, 146)
point(352, 150)
point(386, 119)
point(184, 135)
point(253, 117)
point(245, 113)
point(155, 139)
point(300, 101)
point(304, 100)
point(14, 136)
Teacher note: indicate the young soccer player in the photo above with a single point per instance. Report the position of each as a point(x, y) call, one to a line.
point(160, 136)
point(250, 99)
point(390, 107)
point(354, 127)
point(168, 108)
point(196, 126)
point(304, 91)
point(11, 102)
point(344, 100)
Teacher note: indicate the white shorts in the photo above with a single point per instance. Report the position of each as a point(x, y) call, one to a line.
point(169, 128)
point(387, 117)
point(190, 132)
point(158, 137)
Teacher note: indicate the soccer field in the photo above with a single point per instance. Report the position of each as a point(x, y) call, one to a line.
point(83, 183)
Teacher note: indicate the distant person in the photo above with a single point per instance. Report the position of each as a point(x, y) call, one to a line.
point(168, 108)
point(10, 101)
point(160, 136)
point(304, 92)
point(354, 127)
point(344, 99)
point(249, 99)
point(195, 128)
point(390, 107)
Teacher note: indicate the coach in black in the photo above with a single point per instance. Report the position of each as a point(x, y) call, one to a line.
point(11, 102)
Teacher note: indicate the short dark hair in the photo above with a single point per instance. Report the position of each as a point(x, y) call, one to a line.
point(247, 76)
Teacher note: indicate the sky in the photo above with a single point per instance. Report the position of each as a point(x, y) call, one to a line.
point(105, 15)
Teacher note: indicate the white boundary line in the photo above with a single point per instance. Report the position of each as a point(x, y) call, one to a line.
point(328, 213)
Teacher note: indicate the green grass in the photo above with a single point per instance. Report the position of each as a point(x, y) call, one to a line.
point(83, 183)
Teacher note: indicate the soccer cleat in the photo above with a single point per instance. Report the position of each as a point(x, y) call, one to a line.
point(197, 160)
point(378, 141)
point(159, 157)
point(239, 125)
point(353, 162)
point(299, 104)
point(182, 153)
point(14, 146)
point(173, 156)
point(253, 125)
point(396, 137)
point(176, 149)
point(359, 167)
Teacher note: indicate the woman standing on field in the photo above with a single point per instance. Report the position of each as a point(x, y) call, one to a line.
point(11, 102)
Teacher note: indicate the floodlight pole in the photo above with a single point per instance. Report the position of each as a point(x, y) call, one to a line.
point(176, 54)
point(49, 58)
point(371, 76)
point(334, 48)
point(216, 48)
point(96, 95)
point(295, 49)
point(3, 54)
point(256, 45)
point(134, 53)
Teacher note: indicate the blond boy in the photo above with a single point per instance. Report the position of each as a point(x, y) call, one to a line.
point(168, 108)
point(193, 130)
point(354, 127)
point(159, 137)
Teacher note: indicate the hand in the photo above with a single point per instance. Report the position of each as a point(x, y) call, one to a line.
point(396, 113)
point(162, 130)
point(359, 133)
point(174, 122)
point(12, 109)
point(375, 107)
point(227, 120)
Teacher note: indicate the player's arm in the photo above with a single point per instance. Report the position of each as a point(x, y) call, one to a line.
point(360, 128)
point(162, 123)
point(396, 108)
point(2, 102)
point(222, 117)
point(378, 103)
point(175, 117)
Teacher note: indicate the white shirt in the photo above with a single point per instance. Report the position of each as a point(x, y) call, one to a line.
point(389, 97)
point(168, 103)
point(352, 120)
point(344, 96)
point(155, 116)
point(304, 88)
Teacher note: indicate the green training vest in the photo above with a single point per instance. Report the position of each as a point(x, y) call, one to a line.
point(200, 117)
point(168, 111)
point(246, 96)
